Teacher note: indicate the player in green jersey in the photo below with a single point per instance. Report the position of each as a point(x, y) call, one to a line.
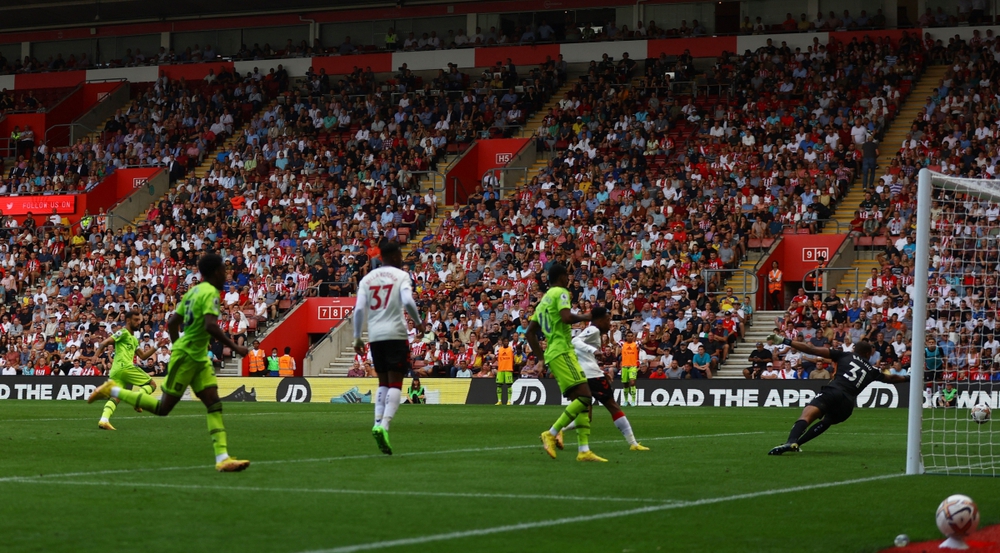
point(198, 314)
point(123, 372)
point(553, 318)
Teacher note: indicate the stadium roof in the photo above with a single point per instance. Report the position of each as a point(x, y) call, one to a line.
point(35, 14)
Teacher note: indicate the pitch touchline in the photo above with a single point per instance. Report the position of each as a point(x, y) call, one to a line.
point(343, 491)
point(368, 456)
point(588, 518)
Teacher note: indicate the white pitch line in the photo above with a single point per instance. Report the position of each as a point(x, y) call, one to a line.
point(588, 518)
point(469, 495)
point(366, 456)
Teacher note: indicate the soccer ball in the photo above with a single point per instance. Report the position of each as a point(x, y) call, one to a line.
point(980, 413)
point(957, 516)
point(902, 540)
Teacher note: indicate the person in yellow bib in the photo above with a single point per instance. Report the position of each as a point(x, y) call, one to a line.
point(257, 357)
point(553, 318)
point(198, 315)
point(123, 372)
point(630, 369)
point(286, 364)
point(505, 371)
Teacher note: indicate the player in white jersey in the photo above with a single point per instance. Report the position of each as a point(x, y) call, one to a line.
point(587, 345)
point(383, 295)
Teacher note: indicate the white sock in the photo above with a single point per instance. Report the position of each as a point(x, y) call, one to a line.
point(553, 431)
point(221, 457)
point(626, 429)
point(115, 390)
point(391, 405)
point(104, 419)
point(571, 425)
point(380, 403)
point(584, 448)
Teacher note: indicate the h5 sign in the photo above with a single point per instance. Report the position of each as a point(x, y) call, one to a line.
point(504, 159)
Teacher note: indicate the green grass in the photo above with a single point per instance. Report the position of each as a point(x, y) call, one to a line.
point(305, 457)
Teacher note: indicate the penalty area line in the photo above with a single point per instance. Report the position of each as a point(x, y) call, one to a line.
point(465, 495)
point(588, 518)
point(365, 456)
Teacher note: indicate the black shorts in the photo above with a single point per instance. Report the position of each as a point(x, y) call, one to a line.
point(391, 355)
point(601, 390)
point(835, 404)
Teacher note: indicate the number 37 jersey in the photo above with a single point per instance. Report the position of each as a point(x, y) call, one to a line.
point(381, 292)
point(853, 373)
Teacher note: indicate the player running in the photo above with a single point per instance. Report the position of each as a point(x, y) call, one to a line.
point(630, 369)
point(383, 295)
point(553, 318)
point(198, 314)
point(836, 400)
point(505, 371)
point(123, 372)
point(587, 344)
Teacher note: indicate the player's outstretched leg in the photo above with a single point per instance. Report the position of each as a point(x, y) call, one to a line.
point(809, 414)
point(621, 422)
point(110, 390)
point(814, 431)
point(147, 389)
point(109, 409)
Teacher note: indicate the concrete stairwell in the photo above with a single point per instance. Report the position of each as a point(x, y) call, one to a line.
point(854, 278)
point(763, 324)
point(341, 364)
point(889, 146)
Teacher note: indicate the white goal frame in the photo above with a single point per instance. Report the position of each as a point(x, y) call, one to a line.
point(925, 187)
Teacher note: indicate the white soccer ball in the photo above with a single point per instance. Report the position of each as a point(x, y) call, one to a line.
point(902, 540)
point(957, 516)
point(980, 413)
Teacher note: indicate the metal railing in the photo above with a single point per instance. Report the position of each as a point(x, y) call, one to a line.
point(823, 275)
point(328, 347)
point(748, 278)
point(500, 173)
point(70, 133)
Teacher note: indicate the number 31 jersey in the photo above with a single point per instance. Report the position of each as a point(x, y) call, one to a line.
point(382, 291)
point(853, 373)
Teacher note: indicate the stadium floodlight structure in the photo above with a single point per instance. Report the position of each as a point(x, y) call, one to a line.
point(956, 240)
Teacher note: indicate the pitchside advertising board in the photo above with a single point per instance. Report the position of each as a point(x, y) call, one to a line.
point(461, 391)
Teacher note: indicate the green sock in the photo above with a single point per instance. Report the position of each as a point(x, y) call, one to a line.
point(583, 431)
point(109, 409)
point(499, 393)
point(217, 430)
point(634, 392)
point(139, 399)
point(573, 411)
point(147, 388)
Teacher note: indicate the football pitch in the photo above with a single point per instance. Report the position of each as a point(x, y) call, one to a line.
point(463, 478)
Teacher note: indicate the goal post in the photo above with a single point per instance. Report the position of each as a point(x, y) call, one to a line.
point(956, 295)
point(914, 430)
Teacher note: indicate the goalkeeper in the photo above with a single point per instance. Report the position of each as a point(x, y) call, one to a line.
point(836, 400)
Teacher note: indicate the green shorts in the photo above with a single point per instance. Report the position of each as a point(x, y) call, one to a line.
point(505, 377)
point(125, 375)
point(566, 369)
point(184, 371)
point(629, 373)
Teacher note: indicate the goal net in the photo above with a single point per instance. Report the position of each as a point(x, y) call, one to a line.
point(956, 333)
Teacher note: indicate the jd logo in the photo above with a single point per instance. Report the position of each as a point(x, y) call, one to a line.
point(527, 391)
point(879, 394)
point(293, 390)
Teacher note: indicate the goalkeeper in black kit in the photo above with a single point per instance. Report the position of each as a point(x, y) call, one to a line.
point(836, 400)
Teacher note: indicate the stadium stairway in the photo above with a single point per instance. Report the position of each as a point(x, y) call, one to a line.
point(888, 146)
point(343, 362)
point(855, 277)
point(763, 324)
point(528, 130)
